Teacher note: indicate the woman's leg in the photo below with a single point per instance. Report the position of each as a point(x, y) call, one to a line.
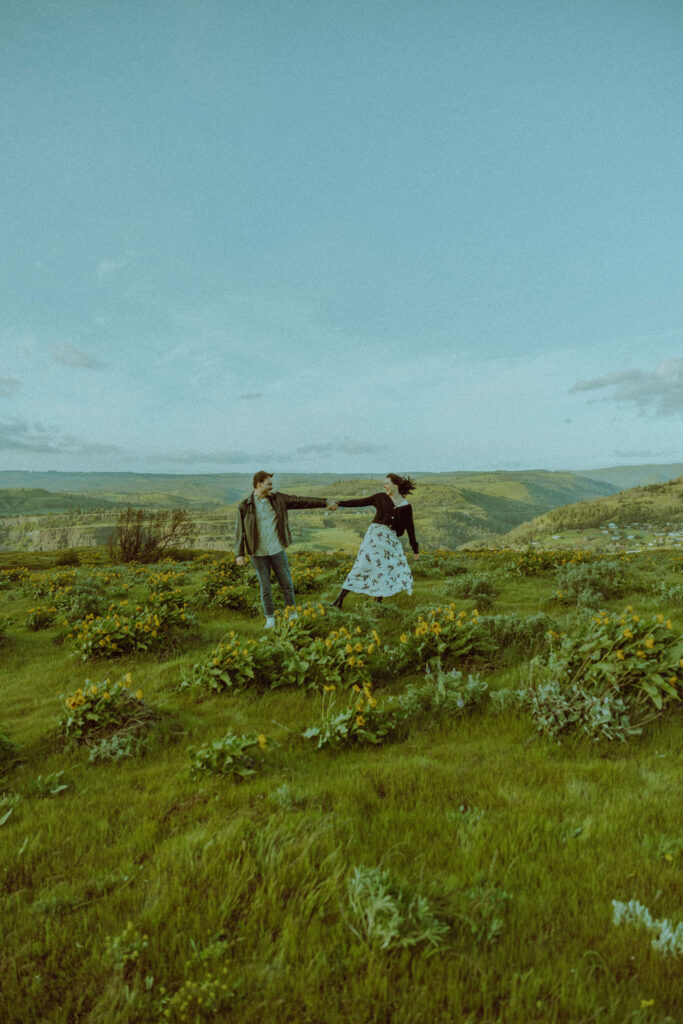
point(339, 599)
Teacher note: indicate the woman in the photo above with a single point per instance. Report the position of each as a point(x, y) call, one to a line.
point(381, 568)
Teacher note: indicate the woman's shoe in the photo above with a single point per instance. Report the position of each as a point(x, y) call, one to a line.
point(339, 599)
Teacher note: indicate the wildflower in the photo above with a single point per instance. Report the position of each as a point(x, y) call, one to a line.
point(138, 695)
point(360, 720)
point(356, 688)
point(650, 642)
point(620, 655)
point(628, 634)
point(646, 1003)
point(404, 640)
point(262, 741)
point(669, 624)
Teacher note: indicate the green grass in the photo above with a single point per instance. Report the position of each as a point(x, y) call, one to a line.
point(252, 877)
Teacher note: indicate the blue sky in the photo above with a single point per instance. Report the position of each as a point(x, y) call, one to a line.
point(335, 236)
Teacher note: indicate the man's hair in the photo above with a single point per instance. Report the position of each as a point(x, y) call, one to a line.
point(261, 476)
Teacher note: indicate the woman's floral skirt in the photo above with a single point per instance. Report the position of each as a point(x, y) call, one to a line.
point(381, 568)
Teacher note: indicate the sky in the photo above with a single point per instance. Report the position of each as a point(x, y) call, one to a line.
point(340, 235)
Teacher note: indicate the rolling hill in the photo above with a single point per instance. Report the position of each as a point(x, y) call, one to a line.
point(648, 515)
point(450, 508)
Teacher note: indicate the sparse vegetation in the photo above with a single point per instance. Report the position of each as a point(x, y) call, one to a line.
point(432, 822)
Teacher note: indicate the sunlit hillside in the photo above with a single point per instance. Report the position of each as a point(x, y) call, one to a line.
point(648, 516)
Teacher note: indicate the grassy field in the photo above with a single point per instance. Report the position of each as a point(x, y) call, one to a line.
point(463, 870)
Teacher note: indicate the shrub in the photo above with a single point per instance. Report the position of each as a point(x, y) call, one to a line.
point(227, 756)
point(143, 536)
point(87, 596)
point(589, 583)
point(480, 588)
point(528, 632)
point(68, 557)
point(556, 709)
point(389, 915)
point(155, 626)
point(99, 709)
point(363, 721)
point(443, 692)
point(40, 617)
point(220, 576)
point(640, 659)
point(118, 747)
point(236, 596)
point(666, 938)
point(442, 633)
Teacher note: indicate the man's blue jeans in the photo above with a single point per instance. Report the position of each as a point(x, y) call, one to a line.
point(280, 566)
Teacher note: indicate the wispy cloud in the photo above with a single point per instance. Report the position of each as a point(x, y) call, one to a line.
point(109, 267)
point(659, 391)
point(9, 386)
point(21, 436)
point(69, 355)
point(251, 395)
point(239, 457)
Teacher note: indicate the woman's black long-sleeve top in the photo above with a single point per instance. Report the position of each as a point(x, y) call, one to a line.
point(399, 518)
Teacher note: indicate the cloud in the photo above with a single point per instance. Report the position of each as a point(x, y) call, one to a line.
point(20, 436)
point(273, 458)
point(9, 386)
point(249, 395)
point(69, 355)
point(659, 391)
point(108, 267)
point(338, 448)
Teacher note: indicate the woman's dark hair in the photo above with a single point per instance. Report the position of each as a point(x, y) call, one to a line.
point(404, 483)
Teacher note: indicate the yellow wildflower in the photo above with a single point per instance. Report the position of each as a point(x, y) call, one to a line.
point(620, 655)
point(262, 741)
point(356, 688)
point(139, 695)
point(650, 642)
point(360, 720)
point(330, 687)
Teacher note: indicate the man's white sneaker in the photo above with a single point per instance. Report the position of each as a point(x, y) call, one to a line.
point(270, 622)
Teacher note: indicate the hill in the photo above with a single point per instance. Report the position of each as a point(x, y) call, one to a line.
point(21, 501)
point(650, 515)
point(450, 508)
point(623, 477)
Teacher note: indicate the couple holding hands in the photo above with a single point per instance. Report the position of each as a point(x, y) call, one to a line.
point(381, 568)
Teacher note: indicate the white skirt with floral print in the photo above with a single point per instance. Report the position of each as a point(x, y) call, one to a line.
point(381, 568)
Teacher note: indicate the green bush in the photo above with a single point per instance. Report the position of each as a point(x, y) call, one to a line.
point(68, 557)
point(95, 710)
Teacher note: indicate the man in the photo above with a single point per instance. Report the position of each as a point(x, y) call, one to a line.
point(262, 531)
